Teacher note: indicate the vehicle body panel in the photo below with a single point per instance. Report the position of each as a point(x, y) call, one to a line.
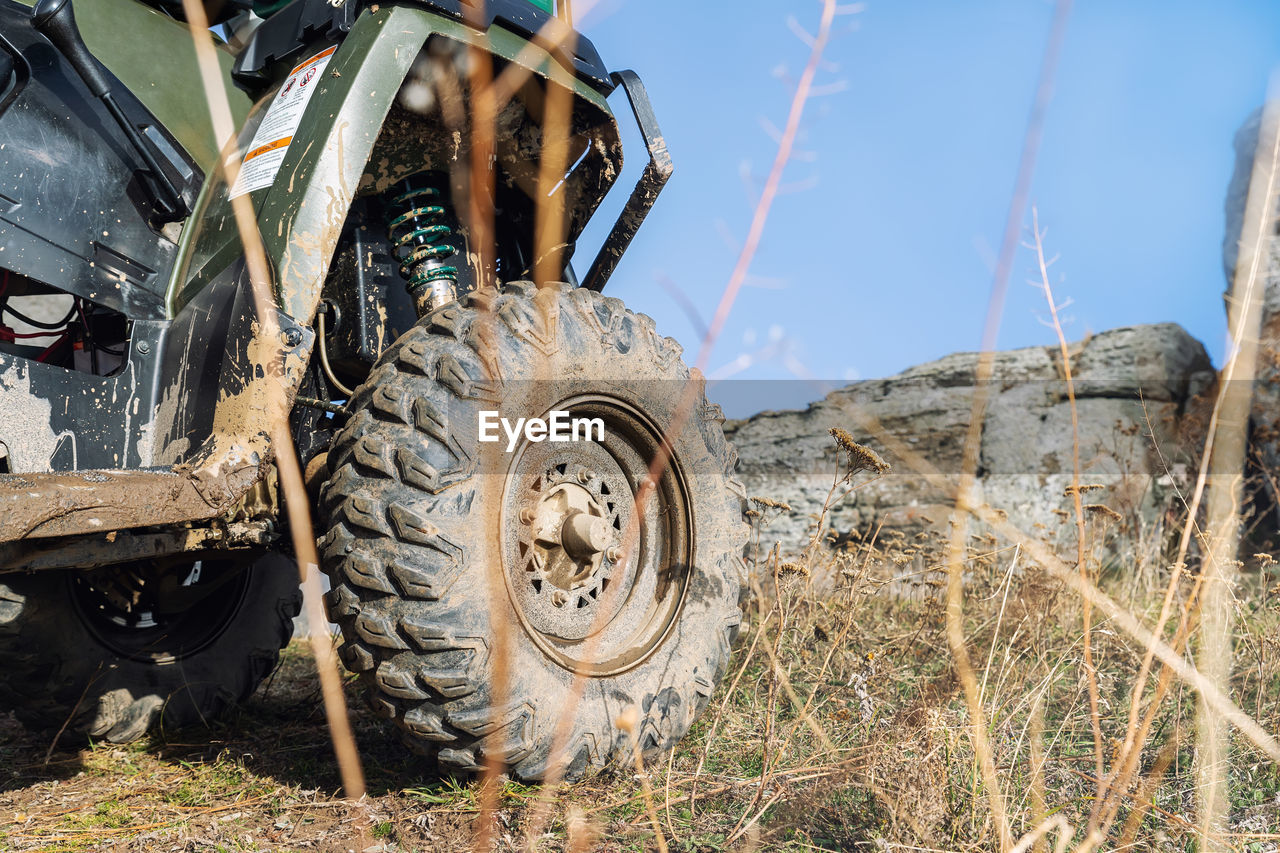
point(154, 57)
point(192, 406)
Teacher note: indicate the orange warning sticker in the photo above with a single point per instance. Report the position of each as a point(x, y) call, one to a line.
point(322, 55)
point(270, 146)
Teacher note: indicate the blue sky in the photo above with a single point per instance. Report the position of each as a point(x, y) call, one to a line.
point(880, 255)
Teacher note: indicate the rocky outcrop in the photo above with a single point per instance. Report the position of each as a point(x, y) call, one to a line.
point(1264, 422)
point(1133, 386)
point(1140, 404)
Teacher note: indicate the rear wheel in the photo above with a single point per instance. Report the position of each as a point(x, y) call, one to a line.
point(442, 548)
point(113, 652)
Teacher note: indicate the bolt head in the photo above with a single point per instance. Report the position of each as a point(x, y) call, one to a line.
point(613, 555)
point(586, 475)
point(558, 598)
point(144, 347)
point(291, 337)
point(527, 515)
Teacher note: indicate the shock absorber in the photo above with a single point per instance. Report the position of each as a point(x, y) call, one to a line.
point(422, 240)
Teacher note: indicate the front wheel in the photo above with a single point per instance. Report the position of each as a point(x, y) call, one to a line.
point(446, 550)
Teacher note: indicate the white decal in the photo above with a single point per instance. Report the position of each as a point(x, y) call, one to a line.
point(271, 141)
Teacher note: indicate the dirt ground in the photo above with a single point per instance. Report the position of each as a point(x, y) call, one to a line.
point(265, 780)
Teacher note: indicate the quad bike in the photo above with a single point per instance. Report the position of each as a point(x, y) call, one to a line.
point(144, 578)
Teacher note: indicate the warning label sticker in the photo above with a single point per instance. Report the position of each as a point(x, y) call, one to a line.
point(271, 141)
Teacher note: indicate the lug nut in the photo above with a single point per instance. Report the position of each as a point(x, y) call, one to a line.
point(586, 475)
point(527, 515)
point(558, 598)
point(614, 555)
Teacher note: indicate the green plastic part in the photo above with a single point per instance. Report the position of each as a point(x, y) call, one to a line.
point(153, 56)
point(266, 8)
point(548, 6)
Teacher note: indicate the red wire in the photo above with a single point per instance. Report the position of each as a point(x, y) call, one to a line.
point(8, 335)
point(53, 346)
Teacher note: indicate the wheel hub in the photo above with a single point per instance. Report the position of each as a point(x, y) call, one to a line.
point(571, 518)
point(571, 534)
point(593, 593)
point(149, 612)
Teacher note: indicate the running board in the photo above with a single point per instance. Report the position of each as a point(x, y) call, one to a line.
point(37, 506)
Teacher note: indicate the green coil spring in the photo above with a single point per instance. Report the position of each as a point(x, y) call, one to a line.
point(421, 240)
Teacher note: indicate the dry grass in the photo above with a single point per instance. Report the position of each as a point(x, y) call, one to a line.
point(842, 725)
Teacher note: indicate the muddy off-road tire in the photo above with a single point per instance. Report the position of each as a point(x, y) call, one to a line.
point(442, 549)
point(70, 656)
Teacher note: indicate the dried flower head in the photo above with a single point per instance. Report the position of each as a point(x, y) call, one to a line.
point(1103, 512)
point(1264, 559)
point(860, 458)
point(752, 513)
point(771, 503)
point(793, 569)
point(1083, 488)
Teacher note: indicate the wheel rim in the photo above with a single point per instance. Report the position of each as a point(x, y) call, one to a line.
point(123, 608)
point(590, 599)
